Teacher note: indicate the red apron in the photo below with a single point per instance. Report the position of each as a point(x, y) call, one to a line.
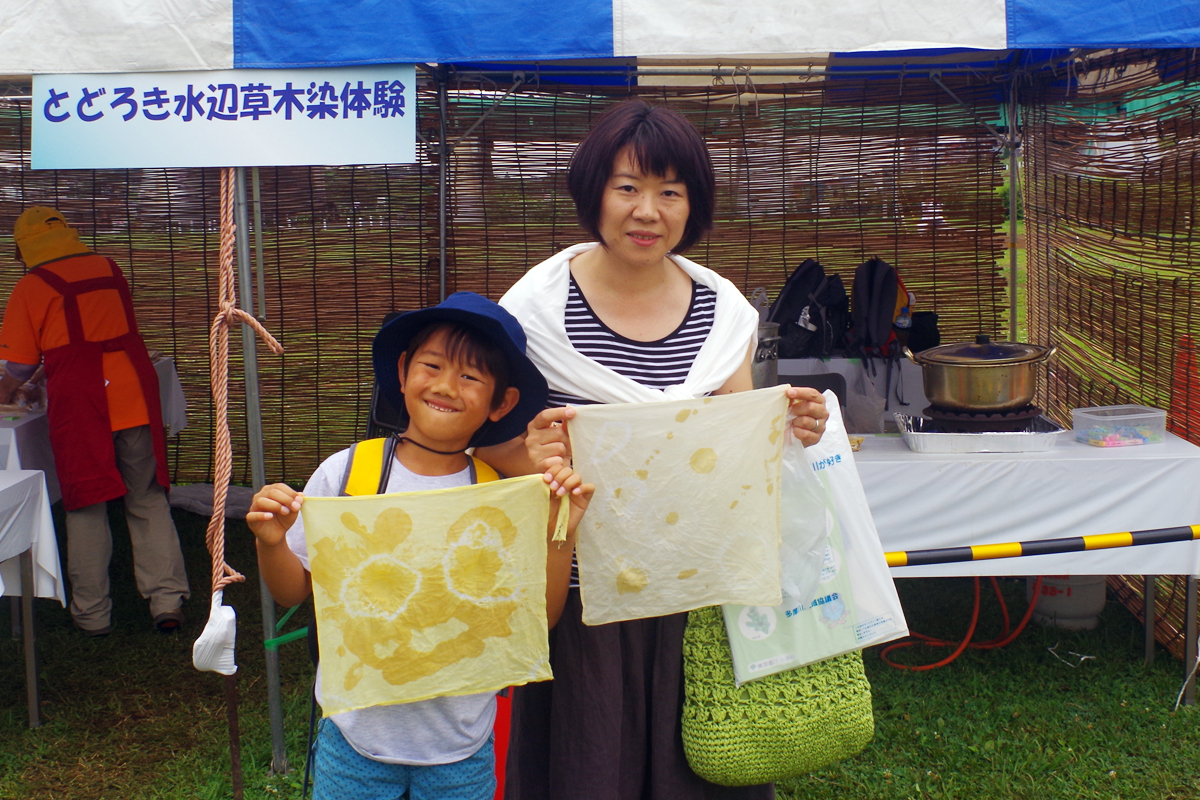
point(80, 429)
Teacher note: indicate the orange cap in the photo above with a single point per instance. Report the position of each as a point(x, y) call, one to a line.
point(36, 220)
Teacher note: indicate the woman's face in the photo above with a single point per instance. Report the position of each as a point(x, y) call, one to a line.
point(642, 216)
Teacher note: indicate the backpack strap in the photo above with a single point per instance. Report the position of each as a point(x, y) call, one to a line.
point(882, 302)
point(369, 467)
point(482, 472)
point(815, 293)
point(389, 458)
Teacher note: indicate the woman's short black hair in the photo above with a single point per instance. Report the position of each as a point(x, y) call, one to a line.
point(660, 139)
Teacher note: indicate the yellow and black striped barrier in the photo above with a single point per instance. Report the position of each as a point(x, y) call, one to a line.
point(1046, 547)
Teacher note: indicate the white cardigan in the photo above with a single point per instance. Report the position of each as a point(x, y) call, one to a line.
point(539, 301)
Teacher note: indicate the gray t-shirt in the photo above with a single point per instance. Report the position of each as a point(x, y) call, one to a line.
point(438, 731)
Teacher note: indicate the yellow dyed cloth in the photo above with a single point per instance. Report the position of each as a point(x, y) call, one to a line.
point(427, 594)
point(686, 512)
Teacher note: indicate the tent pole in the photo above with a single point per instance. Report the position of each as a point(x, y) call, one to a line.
point(258, 245)
point(1190, 644)
point(258, 470)
point(249, 344)
point(518, 82)
point(1014, 188)
point(1011, 142)
point(443, 169)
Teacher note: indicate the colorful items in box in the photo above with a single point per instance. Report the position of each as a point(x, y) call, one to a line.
point(1118, 435)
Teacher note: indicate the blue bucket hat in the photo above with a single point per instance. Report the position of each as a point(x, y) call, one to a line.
point(492, 321)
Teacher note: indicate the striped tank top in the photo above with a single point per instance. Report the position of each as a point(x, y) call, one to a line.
point(656, 364)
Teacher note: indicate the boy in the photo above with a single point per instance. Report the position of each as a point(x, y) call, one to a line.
point(461, 371)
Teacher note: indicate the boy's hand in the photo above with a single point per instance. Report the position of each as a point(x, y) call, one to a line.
point(547, 441)
point(566, 482)
point(807, 406)
point(272, 512)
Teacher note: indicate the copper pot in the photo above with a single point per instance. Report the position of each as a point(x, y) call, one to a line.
point(982, 375)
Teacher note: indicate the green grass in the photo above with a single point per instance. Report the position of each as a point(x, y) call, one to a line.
point(1017, 722)
point(128, 717)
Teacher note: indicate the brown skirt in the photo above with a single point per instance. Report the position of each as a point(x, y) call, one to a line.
point(608, 726)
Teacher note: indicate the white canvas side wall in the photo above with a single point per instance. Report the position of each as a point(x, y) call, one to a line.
point(56, 36)
point(665, 28)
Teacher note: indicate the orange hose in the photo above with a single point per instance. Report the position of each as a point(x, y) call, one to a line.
point(960, 647)
point(1037, 589)
point(921, 639)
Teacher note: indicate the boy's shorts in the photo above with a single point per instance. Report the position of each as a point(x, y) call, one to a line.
point(341, 773)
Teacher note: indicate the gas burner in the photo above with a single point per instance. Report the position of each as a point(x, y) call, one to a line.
point(982, 421)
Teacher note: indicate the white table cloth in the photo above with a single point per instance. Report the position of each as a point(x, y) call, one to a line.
point(25, 444)
point(25, 438)
point(924, 501)
point(25, 520)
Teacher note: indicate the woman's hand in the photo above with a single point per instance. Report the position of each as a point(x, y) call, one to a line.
point(807, 406)
point(272, 511)
point(546, 441)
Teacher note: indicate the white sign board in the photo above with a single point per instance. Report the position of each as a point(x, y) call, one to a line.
point(226, 118)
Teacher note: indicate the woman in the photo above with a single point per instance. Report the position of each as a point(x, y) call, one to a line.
point(606, 322)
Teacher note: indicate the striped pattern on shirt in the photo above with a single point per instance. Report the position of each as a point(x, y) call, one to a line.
point(657, 364)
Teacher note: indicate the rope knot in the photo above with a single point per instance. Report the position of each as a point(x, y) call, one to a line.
point(218, 350)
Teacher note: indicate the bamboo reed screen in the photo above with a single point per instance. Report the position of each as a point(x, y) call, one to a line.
point(1111, 206)
point(840, 172)
point(892, 168)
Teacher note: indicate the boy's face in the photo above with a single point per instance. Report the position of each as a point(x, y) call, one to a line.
point(447, 400)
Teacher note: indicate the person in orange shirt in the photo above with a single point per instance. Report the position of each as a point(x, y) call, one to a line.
point(73, 311)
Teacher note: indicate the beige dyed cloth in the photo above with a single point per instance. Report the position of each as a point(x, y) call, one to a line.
point(428, 594)
point(687, 506)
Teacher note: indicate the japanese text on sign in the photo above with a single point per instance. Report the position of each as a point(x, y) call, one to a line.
point(320, 116)
point(228, 101)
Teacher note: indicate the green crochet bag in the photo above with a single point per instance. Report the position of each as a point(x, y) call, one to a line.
point(777, 727)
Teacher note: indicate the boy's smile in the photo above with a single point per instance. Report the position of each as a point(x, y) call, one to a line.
point(436, 406)
point(447, 400)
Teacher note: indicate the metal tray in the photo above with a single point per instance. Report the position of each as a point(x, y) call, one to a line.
point(921, 437)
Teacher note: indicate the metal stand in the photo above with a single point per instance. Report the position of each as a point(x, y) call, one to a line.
point(1189, 648)
point(443, 170)
point(258, 470)
point(32, 699)
point(235, 735)
point(1148, 614)
point(1014, 188)
point(1011, 142)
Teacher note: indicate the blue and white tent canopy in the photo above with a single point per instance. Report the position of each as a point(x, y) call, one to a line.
point(55, 36)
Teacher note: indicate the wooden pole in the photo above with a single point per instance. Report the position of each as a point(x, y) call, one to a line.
point(235, 736)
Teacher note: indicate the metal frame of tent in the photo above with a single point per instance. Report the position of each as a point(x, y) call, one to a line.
point(1010, 140)
point(1187, 36)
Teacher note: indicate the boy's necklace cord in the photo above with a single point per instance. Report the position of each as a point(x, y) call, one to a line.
point(430, 449)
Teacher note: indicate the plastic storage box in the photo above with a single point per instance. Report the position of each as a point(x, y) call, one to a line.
point(1119, 426)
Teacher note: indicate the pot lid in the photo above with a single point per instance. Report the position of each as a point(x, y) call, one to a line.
point(982, 351)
